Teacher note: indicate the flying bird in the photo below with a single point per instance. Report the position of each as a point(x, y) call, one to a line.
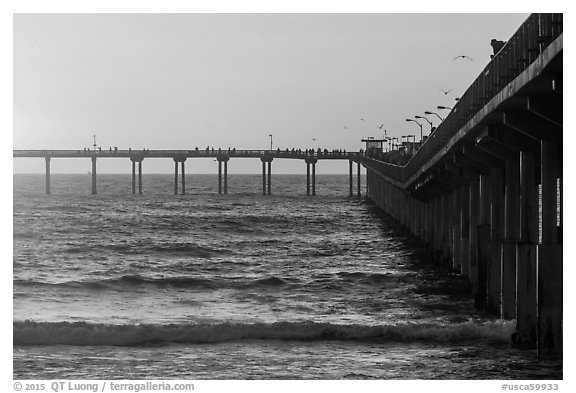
point(362, 118)
point(314, 139)
point(463, 57)
point(446, 91)
point(345, 127)
point(380, 126)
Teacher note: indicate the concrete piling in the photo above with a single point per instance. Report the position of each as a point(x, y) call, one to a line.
point(47, 175)
point(93, 175)
point(511, 236)
point(549, 257)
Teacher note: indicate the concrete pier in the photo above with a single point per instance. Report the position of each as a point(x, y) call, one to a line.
point(471, 192)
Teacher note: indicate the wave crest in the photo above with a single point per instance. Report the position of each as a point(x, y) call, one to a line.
point(94, 334)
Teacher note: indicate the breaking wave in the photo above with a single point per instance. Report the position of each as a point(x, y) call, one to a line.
point(94, 334)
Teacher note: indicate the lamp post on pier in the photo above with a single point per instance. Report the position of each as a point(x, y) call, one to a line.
point(444, 107)
point(433, 113)
point(429, 122)
point(270, 135)
point(419, 125)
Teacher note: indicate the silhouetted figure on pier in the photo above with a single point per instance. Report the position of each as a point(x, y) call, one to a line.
point(496, 46)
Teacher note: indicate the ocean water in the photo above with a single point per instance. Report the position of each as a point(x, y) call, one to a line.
point(237, 286)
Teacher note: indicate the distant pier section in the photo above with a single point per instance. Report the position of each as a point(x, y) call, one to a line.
point(309, 156)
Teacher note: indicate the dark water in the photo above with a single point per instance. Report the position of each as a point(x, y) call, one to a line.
point(237, 286)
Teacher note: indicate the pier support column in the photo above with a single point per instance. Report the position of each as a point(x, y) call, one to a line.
point(550, 255)
point(175, 177)
point(511, 236)
point(226, 177)
point(47, 175)
point(359, 179)
point(223, 181)
point(311, 162)
point(266, 186)
point(270, 177)
point(219, 177)
point(474, 208)
point(140, 177)
point(437, 223)
point(263, 177)
point(445, 217)
point(526, 253)
point(179, 159)
point(314, 178)
point(465, 230)
point(483, 241)
point(133, 177)
point(183, 177)
point(136, 159)
point(93, 175)
point(307, 178)
point(351, 178)
point(494, 268)
point(457, 230)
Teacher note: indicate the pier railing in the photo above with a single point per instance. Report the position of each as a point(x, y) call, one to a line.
point(521, 50)
point(208, 153)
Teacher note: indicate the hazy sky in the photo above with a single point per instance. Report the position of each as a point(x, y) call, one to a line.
point(177, 81)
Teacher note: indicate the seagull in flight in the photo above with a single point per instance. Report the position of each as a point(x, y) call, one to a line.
point(446, 91)
point(380, 126)
point(463, 57)
point(362, 118)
